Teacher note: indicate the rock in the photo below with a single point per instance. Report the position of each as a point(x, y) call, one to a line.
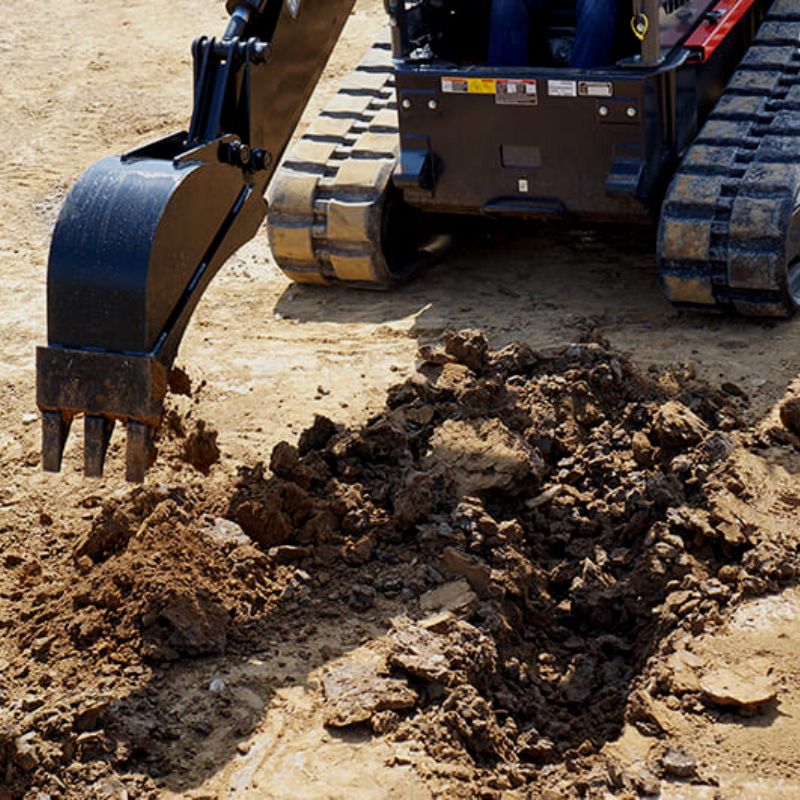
point(649, 716)
point(88, 717)
point(683, 668)
point(715, 448)
point(26, 751)
point(418, 652)
point(790, 414)
point(677, 427)
point(360, 551)
point(110, 789)
point(456, 596)
point(468, 347)
point(546, 496)
point(288, 553)
point(733, 389)
point(535, 748)
point(728, 687)
point(476, 571)
point(642, 449)
point(356, 690)
point(91, 745)
point(483, 454)
point(216, 686)
point(678, 763)
point(226, 534)
point(642, 780)
point(361, 597)
point(439, 623)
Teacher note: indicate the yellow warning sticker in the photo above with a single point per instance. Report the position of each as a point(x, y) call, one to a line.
point(469, 85)
point(482, 85)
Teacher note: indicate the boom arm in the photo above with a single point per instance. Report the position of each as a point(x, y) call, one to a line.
point(141, 236)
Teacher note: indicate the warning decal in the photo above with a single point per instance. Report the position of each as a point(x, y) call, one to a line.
point(516, 93)
point(468, 85)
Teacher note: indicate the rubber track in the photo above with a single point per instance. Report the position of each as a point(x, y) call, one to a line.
point(326, 200)
point(724, 232)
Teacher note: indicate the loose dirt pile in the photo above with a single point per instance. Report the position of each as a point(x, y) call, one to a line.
point(542, 534)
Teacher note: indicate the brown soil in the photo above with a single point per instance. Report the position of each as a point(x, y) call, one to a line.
point(534, 570)
point(542, 534)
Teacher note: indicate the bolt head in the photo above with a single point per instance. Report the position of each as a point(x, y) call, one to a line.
point(433, 104)
point(406, 104)
point(603, 111)
point(631, 111)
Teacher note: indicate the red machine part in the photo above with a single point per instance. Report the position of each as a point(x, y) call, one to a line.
point(719, 21)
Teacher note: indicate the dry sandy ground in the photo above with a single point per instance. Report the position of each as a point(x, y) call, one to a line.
point(81, 80)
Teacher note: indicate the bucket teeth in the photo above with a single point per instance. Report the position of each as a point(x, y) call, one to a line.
point(96, 437)
point(55, 430)
point(139, 451)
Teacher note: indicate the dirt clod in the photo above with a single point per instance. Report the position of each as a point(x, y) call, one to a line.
point(790, 414)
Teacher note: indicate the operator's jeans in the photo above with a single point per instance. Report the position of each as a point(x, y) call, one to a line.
point(510, 27)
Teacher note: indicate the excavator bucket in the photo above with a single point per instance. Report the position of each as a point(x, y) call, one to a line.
point(141, 236)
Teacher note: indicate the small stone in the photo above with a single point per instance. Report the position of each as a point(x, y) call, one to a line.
point(226, 534)
point(418, 652)
point(216, 686)
point(679, 763)
point(286, 553)
point(439, 623)
point(676, 426)
point(727, 687)
point(26, 755)
point(89, 716)
point(642, 449)
point(361, 597)
point(110, 789)
point(356, 690)
point(790, 414)
point(456, 596)
point(476, 571)
point(91, 745)
point(639, 777)
point(360, 551)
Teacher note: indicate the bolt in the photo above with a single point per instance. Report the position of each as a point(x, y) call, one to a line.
point(603, 111)
point(406, 104)
point(433, 104)
point(631, 111)
point(260, 159)
point(236, 154)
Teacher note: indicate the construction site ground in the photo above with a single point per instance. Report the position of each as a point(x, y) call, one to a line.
point(564, 567)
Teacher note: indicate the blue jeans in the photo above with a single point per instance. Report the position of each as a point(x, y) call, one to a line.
point(510, 27)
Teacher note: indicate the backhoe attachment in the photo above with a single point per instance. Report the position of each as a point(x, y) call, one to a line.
point(141, 236)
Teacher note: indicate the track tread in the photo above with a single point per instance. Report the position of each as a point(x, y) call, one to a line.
point(325, 202)
point(726, 217)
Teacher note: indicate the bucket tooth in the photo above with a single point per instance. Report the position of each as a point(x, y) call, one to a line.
point(55, 430)
point(96, 437)
point(139, 451)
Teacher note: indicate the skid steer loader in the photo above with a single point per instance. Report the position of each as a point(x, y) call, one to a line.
point(695, 124)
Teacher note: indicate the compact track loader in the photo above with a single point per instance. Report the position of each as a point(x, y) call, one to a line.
point(695, 125)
